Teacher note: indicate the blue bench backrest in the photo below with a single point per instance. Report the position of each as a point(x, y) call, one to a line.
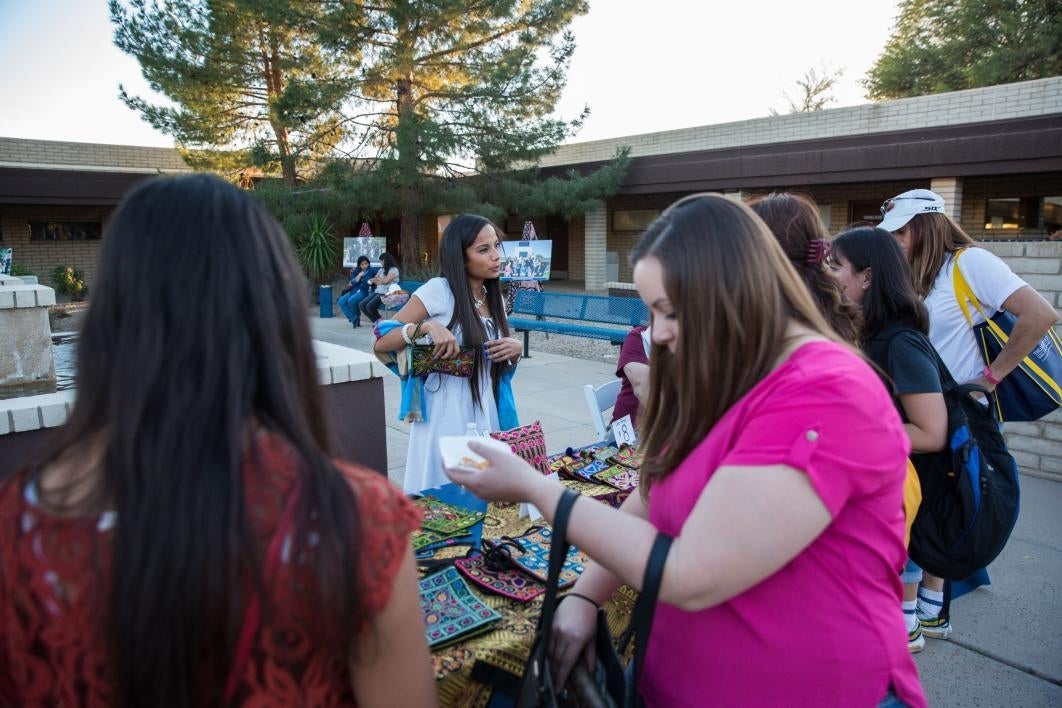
point(628, 311)
point(409, 285)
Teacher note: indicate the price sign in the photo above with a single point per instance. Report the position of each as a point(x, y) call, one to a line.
point(623, 429)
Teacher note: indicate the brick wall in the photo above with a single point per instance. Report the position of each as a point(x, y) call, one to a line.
point(1020, 100)
point(41, 257)
point(976, 192)
point(53, 152)
point(1036, 446)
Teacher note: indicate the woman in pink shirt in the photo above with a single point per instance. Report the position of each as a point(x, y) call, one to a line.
point(775, 458)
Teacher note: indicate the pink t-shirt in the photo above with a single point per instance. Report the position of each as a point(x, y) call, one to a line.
point(827, 629)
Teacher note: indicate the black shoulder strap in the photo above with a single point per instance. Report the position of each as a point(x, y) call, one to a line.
point(558, 552)
point(642, 619)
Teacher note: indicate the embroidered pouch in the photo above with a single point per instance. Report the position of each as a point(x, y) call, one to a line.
point(603, 453)
point(445, 519)
point(586, 469)
point(533, 557)
point(528, 442)
point(423, 362)
point(618, 476)
point(628, 457)
point(498, 576)
point(601, 492)
point(450, 609)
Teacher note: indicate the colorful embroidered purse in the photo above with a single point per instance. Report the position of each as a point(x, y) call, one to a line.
point(450, 609)
point(423, 362)
point(618, 476)
point(494, 572)
point(527, 442)
point(585, 469)
point(533, 556)
point(445, 519)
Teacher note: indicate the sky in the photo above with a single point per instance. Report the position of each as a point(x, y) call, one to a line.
point(640, 65)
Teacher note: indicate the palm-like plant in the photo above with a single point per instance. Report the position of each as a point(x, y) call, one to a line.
point(318, 249)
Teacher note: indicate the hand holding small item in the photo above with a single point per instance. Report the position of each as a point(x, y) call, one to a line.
point(504, 477)
point(446, 346)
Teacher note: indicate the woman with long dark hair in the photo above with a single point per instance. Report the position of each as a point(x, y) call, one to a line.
point(872, 269)
point(461, 307)
point(384, 278)
point(773, 457)
point(794, 221)
point(189, 541)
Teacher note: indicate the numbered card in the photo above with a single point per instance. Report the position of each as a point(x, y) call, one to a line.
point(623, 429)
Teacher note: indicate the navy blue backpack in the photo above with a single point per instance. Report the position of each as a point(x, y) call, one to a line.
point(970, 490)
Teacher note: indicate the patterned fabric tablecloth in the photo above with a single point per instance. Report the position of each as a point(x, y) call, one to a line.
point(506, 645)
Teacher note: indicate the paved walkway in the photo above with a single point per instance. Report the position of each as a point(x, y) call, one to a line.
point(1007, 646)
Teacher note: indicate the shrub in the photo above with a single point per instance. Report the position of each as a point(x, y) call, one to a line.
point(70, 281)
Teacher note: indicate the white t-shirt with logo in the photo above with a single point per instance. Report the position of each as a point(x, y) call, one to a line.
point(992, 282)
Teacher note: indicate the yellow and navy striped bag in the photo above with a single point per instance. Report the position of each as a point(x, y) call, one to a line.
point(1034, 388)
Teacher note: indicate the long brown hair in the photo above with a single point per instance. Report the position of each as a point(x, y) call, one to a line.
point(933, 237)
point(794, 220)
point(734, 293)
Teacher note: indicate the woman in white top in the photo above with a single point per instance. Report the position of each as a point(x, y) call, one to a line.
point(462, 307)
point(932, 241)
point(383, 280)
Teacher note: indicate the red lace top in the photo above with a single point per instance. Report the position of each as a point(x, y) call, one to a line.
point(54, 577)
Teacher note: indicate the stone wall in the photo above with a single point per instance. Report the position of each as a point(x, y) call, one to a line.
point(55, 153)
point(1036, 446)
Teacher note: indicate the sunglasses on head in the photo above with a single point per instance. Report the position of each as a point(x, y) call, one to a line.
point(888, 204)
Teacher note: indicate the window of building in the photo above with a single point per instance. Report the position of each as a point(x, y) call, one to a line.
point(1051, 215)
point(1009, 213)
point(633, 219)
point(65, 230)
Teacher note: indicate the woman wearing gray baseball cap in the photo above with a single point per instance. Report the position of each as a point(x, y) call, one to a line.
point(935, 245)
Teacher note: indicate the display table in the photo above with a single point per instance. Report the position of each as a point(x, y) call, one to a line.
point(468, 672)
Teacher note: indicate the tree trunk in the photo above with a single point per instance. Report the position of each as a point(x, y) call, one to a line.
point(274, 86)
point(408, 197)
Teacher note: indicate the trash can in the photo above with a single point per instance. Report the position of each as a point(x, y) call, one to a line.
point(324, 295)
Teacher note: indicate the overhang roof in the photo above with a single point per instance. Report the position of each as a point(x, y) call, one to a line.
point(1000, 147)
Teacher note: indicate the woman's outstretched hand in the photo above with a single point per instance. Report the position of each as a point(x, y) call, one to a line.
point(505, 477)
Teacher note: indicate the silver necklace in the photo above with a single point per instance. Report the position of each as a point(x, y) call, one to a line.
point(481, 303)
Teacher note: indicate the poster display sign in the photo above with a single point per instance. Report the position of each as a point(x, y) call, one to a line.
point(526, 260)
point(5, 261)
point(368, 246)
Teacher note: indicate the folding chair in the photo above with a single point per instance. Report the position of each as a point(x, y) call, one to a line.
point(599, 400)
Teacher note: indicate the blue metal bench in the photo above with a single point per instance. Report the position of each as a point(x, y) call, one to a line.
point(626, 312)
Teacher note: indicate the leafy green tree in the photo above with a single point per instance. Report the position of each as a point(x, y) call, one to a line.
point(247, 82)
point(948, 45)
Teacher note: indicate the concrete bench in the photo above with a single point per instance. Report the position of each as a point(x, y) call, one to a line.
point(587, 313)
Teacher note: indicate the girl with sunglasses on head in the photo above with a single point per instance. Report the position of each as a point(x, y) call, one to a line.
point(776, 461)
point(933, 242)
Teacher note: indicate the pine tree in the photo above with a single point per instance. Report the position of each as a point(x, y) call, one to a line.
point(455, 96)
point(247, 83)
point(949, 45)
point(400, 107)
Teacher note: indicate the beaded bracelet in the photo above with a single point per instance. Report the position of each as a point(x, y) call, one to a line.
point(405, 333)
